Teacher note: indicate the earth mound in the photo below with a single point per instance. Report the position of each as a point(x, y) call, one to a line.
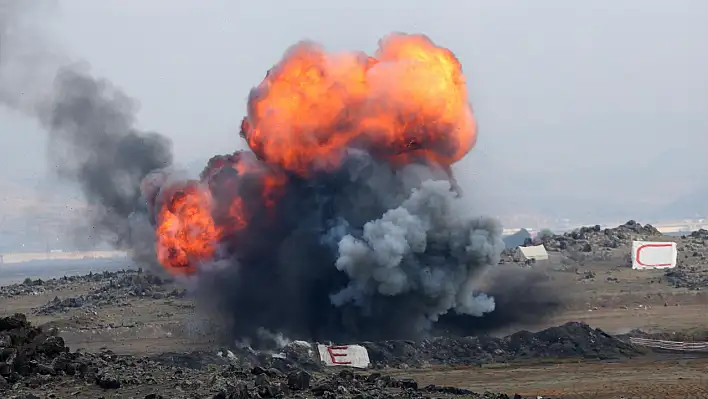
point(571, 340)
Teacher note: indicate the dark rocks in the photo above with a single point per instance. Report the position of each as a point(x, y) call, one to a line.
point(26, 351)
point(693, 277)
point(107, 381)
point(692, 263)
point(13, 322)
point(32, 359)
point(31, 355)
point(115, 288)
point(52, 346)
point(299, 380)
point(593, 243)
point(262, 380)
point(342, 383)
point(409, 384)
point(571, 340)
point(590, 243)
point(34, 287)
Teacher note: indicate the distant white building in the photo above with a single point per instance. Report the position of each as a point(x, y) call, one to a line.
point(534, 253)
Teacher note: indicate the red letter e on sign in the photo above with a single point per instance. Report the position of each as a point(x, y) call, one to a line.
point(336, 352)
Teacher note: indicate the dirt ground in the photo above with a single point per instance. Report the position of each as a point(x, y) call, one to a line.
point(681, 377)
point(616, 300)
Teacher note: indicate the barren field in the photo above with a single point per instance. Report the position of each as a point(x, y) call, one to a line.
point(172, 353)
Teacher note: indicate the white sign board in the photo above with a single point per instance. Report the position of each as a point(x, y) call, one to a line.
point(344, 355)
point(653, 255)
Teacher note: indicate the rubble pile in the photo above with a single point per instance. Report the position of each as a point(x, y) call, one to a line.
point(571, 340)
point(31, 355)
point(115, 289)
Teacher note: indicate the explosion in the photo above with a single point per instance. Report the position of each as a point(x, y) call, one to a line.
point(409, 102)
point(186, 233)
point(343, 219)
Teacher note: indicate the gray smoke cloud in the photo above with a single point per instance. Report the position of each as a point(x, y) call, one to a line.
point(91, 124)
point(424, 247)
point(94, 142)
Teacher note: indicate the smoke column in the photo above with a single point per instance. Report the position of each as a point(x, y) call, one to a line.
point(90, 124)
point(342, 221)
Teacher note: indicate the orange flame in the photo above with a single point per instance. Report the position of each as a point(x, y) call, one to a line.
point(186, 232)
point(238, 215)
point(409, 101)
point(272, 183)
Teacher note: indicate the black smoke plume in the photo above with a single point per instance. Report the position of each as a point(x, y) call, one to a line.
point(92, 138)
point(367, 252)
point(94, 143)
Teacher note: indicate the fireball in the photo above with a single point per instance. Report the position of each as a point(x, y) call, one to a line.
point(186, 232)
point(409, 101)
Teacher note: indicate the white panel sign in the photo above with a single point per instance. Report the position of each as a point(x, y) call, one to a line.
point(653, 255)
point(344, 355)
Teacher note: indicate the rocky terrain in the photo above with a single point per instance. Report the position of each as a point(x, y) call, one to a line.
point(571, 340)
point(34, 360)
point(39, 286)
point(591, 245)
point(115, 288)
point(37, 359)
point(133, 334)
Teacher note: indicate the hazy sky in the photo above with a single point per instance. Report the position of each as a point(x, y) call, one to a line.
point(569, 95)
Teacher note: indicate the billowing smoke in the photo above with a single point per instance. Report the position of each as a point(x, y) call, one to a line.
point(422, 247)
point(92, 139)
point(343, 221)
point(93, 142)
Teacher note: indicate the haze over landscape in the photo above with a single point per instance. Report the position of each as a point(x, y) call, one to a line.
point(591, 112)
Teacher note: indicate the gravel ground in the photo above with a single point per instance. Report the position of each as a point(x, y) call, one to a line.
point(133, 334)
